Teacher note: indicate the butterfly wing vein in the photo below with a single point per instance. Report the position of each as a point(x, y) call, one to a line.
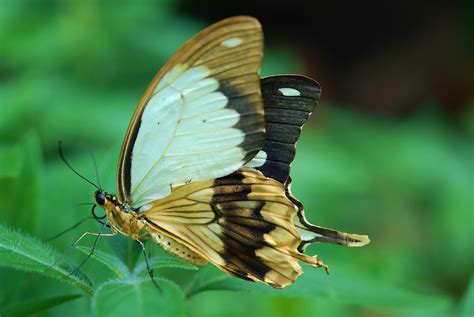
point(200, 118)
point(241, 223)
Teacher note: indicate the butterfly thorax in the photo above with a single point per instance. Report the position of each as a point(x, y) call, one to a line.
point(120, 216)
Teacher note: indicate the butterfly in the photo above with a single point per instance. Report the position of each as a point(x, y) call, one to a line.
point(204, 165)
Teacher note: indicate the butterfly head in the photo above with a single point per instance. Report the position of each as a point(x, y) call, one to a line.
point(120, 217)
point(107, 201)
point(102, 198)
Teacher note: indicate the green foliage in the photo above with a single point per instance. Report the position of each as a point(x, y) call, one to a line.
point(26, 253)
point(132, 294)
point(21, 162)
point(35, 306)
point(345, 286)
point(74, 70)
point(163, 262)
point(467, 304)
point(109, 260)
point(121, 271)
point(138, 298)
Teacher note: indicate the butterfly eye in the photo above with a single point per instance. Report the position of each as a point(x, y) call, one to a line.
point(100, 198)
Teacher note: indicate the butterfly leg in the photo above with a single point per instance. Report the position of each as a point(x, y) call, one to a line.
point(149, 269)
point(75, 242)
point(150, 251)
point(94, 245)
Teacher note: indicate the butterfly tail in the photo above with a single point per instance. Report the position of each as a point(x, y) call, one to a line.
point(315, 234)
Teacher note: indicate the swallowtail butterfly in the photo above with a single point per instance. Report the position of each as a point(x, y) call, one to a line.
point(204, 166)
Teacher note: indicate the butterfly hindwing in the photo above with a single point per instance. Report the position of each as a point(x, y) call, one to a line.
point(200, 118)
point(288, 100)
point(242, 223)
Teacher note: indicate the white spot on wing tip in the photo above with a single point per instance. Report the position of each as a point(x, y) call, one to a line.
point(232, 42)
point(289, 92)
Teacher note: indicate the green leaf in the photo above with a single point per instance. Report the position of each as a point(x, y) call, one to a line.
point(163, 262)
point(35, 306)
point(20, 183)
point(126, 249)
point(138, 297)
point(23, 252)
point(467, 304)
point(109, 260)
point(210, 278)
point(10, 162)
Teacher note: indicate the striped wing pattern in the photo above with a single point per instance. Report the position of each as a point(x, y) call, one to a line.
point(242, 223)
point(200, 118)
point(289, 101)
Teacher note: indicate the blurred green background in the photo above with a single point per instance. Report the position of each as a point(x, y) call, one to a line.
point(388, 152)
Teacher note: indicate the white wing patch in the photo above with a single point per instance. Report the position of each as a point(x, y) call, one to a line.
point(232, 42)
point(289, 92)
point(185, 135)
point(258, 160)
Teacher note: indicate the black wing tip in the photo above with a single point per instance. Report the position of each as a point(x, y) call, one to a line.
point(293, 79)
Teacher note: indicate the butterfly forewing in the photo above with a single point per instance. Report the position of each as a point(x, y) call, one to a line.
point(200, 118)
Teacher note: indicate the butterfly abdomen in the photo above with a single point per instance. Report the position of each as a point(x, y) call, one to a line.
point(176, 248)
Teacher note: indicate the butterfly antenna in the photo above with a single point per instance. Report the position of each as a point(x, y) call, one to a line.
point(83, 204)
point(96, 169)
point(69, 229)
point(72, 169)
